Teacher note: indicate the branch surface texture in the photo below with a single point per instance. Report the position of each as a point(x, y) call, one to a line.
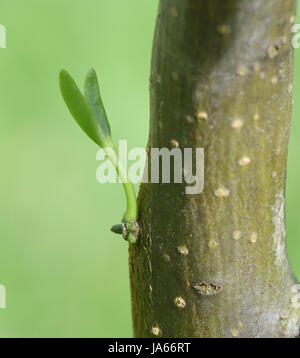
point(215, 264)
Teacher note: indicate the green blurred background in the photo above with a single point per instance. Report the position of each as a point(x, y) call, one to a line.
point(65, 274)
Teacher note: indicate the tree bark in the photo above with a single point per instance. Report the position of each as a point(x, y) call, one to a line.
point(215, 264)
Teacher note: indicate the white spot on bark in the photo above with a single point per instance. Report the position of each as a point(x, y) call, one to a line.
point(284, 39)
point(236, 235)
point(242, 70)
point(244, 161)
point(174, 143)
point(274, 80)
point(262, 75)
point(295, 300)
point(222, 192)
point(237, 123)
point(180, 302)
point(167, 258)
point(183, 250)
point(155, 330)
point(202, 115)
point(279, 229)
point(253, 238)
point(234, 332)
point(256, 117)
point(212, 244)
point(295, 288)
point(292, 327)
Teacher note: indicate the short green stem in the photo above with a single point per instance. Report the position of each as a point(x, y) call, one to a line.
point(130, 227)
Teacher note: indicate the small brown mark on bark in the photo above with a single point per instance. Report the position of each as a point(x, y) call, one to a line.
point(212, 244)
point(273, 50)
point(207, 288)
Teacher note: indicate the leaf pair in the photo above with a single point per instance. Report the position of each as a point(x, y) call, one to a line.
point(87, 109)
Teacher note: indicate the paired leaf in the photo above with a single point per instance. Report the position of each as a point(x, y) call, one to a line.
point(88, 111)
point(83, 113)
point(93, 98)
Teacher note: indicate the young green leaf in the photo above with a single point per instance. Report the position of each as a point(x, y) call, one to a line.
point(93, 98)
point(80, 109)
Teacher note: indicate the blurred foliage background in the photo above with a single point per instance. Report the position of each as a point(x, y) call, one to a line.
point(65, 274)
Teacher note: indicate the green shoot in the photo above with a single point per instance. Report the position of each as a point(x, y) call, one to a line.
point(88, 111)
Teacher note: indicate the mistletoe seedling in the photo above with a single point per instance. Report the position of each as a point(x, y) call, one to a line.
point(88, 111)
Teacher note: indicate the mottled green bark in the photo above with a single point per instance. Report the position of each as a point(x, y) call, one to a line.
point(221, 79)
